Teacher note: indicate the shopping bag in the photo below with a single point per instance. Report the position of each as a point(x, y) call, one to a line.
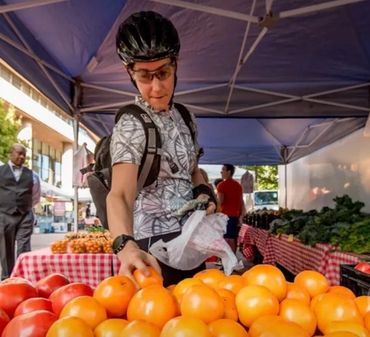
point(201, 237)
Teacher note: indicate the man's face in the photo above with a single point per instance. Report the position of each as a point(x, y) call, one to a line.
point(155, 81)
point(225, 174)
point(18, 155)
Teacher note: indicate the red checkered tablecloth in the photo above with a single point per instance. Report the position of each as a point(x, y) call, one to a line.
point(86, 268)
point(294, 255)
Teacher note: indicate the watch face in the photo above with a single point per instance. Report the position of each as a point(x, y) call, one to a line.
point(118, 241)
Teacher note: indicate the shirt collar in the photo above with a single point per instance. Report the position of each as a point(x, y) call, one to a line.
point(13, 166)
point(140, 101)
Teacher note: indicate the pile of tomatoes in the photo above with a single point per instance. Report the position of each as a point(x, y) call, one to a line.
point(258, 303)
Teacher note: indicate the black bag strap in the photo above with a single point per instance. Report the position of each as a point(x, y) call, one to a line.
point(153, 145)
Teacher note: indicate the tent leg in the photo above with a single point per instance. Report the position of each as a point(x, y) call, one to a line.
point(286, 186)
point(75, 148)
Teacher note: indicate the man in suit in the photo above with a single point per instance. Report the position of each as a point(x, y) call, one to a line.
point(19, 192)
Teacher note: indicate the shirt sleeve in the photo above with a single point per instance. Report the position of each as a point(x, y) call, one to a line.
point(36, 189)
point(128, 141)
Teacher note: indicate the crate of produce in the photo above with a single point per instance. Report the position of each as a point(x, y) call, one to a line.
point(357, 281)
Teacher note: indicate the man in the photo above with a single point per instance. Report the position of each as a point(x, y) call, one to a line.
point(19, 192)
point(230, 196)
point(148, 45)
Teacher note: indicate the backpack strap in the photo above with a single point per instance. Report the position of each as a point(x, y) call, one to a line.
point(150, 162)
point(185, 114)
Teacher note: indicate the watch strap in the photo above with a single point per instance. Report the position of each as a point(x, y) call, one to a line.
point(120, 242)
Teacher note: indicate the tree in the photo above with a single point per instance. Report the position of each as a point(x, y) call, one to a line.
point(266, 176)
point(9, 126)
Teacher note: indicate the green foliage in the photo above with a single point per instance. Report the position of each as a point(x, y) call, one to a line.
point(266, 176)
point(9, 126)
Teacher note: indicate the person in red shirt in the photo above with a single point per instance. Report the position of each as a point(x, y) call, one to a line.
point(230, 196)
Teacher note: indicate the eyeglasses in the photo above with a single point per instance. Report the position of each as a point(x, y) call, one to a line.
point(146, 76)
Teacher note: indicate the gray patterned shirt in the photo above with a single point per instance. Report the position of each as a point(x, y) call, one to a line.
point(155, 206)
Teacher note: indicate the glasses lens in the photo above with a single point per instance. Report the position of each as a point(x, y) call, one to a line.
point(143, 76)
point(164, 73)
point(146, 76)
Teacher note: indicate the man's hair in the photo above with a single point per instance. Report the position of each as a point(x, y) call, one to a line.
point(230, 168)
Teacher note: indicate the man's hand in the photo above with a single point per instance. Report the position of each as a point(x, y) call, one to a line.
point(211, 207)
point(132, 257)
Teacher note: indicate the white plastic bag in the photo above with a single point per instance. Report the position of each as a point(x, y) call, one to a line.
point(201, 237)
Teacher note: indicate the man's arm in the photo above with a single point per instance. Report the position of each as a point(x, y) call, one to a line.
point(197, 180)
point(36, 189)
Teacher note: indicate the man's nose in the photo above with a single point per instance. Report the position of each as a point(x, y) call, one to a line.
point(156, 83)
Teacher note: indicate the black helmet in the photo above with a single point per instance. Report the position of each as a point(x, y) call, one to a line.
point(146, 36)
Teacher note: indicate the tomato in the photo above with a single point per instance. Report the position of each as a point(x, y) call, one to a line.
point(87, 308)
point(185, 326)
point(332, 307)
point(11, 294)
point(16, 280)
point(367, 321)
point(295, 292)
point(355, 328)
point(202, 302)
point(261, 323)
point(183, 286)
point(152, 279)
point(32, 324)
point(268, 276)
point(211, 277)
point(70, 327)
point(363, 266)
point(61, 296)
point(110, 328)
point(4, 320)
point(49, 283)
point(33, 304)
point(114, 294)
point(343, 291)
point(227, 328)
point(233, 283)
point(363, 304)
point(284, 329)
point(228, 297)
point(153, 304)
point(314, 282)
point(255, 301)
point(140, 329)
point(299, 313)
point(341, 334)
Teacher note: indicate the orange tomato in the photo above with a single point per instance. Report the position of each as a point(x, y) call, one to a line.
point(268, 276)
point(343, 291)
point(341, 334)
point(70, 327)
point(284, 329)
point(203, 302)
point(356, 328)
point(229, 304)
point(295, 292)
point(315, 300)
point(154, 304)
point(333, 307)
point(363, 304)
point(86, 308)
point(183, 286)
point(261, 323)
point(140, 329)
point(211, 277)
point(171, 287)
point(313, 281)
point(114, 294)
point(110, 328)
point(185, 326)
point(152, 279)
point(367, 321)
point(299, 313)
point(255, 301)
point(233, 283)
point(227, 328)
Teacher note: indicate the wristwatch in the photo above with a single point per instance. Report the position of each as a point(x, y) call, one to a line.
point(120, 242)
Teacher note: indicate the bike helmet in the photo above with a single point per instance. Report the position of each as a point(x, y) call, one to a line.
point(146, 36)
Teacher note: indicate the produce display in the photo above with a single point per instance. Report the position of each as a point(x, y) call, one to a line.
point(258, 303)
point(343, 226)
point(94, 240)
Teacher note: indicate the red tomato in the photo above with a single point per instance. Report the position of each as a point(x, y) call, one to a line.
point(363, 266)
point(33, 304)
point(4, 320)
point(32, 324)
point(11, 294)
point(15, 280)
point(49, 283)
point(60, 297)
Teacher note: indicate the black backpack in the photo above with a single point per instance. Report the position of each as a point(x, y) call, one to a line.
point(99, 179)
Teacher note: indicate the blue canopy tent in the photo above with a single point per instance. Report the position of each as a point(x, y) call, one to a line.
point(269, 81)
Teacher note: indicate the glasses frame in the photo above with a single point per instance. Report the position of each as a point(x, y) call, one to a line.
point(152, 73)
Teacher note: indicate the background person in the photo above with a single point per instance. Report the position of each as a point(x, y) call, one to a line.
point(148, 45)
point(230, 195)
point(19, 192)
